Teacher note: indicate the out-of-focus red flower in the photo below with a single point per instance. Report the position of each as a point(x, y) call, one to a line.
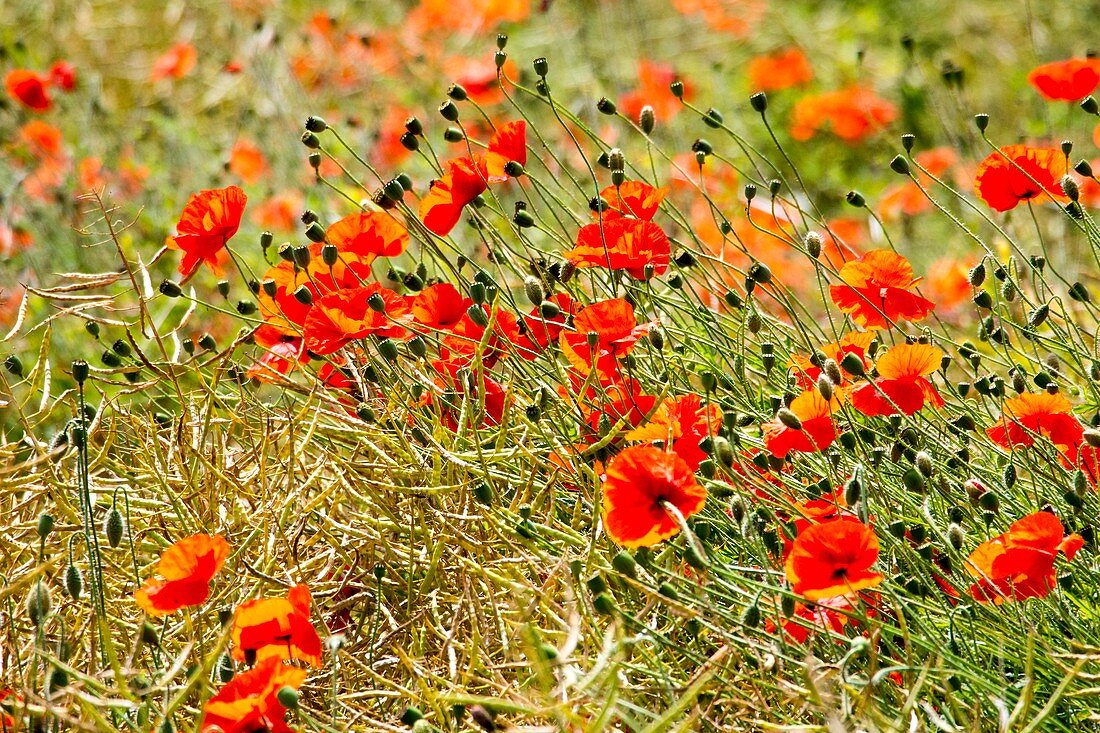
point(653, 89)
point(185, 569)
point(441, 207)
point(781, 70)
point(902, 383)
point(249, 702)
point(247, 161)
point(907, 199)
point(681, 423)
point(466, 15)
point(482, 80)
point(738, 18)
point(853, 114)
point(832, 559)
point(603, 333)
point(1068, 80)
point(175, 63)
point(279, 213)
point(829, 614)
point(813, 432)
point(1027, 416)
point(63, 76)
point(208, 222)
point(876, 290)
point(29, 89)
point(622, 243)
point(1019, 564)
point(276, 628)
point(1017, 173)
point(508, 143)
point(638, 486)
point(948, 281)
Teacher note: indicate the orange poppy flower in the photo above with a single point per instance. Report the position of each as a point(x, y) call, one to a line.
point(286, 312)
point(632, 198)
point(249, 702)
point(616, 332)
point(653, 90)
point(735, 17)
point(948, 281)
point(681, 423)
point(908, 198)
point(816, 432)
point(508, 144)
point(369, 234)
point(42, 139)
point(833, 559)
point(1019, 564)
point(439, 307)
point(853, 342)
point(1043, 414)
point(877, 288)
point(343, 316)
point(186, 569)
point(175, 63)
point(1018, 173)
point(622, 244)
point(902, 382)
point(853, 113)
point(279, 213)
point(278, 628)
point(780, 70)
point(441, 207)
point(247, 161)
point(208, 222)
point(638, 483)
point(29, 89)
point(1068, 80)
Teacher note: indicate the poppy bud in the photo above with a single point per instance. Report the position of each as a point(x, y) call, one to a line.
point(789, 419)
point(713, 118)
point(733, 300)
point(549, 309)
point(855, 198)
point(981, 121)
point(303, 295)
point(1083, 168)
point(315, 233)
point(983, 299)
point(45, 526)
point(1078, 292)
point(923, 462)
point(109, 359)
point(754, 322)
point(677, 89)
point(606, 106)
point(825, 387)
point(813, 243)
point(92, 328)
point(113, 527)
point(759, 102)
point(287, 697)
point(170, 289)
point(852, 364)
point(647, 119)
point(1092, 437)
point(750, 617)
point(39, 603)
point(913, 480)
point(1090, 106)
point(449, 111)
point(74, 581)
point(989, 502)
point(832, 371)
point(532, 288)
point(1069, 186)
point(310, 140)
point(477, 314)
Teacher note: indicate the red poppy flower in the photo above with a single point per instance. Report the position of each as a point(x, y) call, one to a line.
point(1019, 564)
point(540, 331)
point(616, 332)
point(830, 614)
point(285, 311)
point(1029, 415)
point(175, 63)
point(623, 402)
point(468, 341)
point(441, 208)
point(833, 559)
point(1068, 80)
point(622, 244)
point(902, 382)
point(877, 288)
point(508, 144)
point(282, 352)
point(343, 316)
point(439, 307)
point(208, 222)
point(780, 70)
point(455, 385)
point(638, 485)
point(632, 198)
point(185, 569)
point(814, 431)
point(1018, 173)
point(853, 113)
point(63, 75)
point(278, 628)
point(29, 89)
point(681, 423)
point(249, 702)
point(369, 234)
point(853, 342)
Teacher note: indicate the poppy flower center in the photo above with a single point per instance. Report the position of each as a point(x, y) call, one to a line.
point(840, 573)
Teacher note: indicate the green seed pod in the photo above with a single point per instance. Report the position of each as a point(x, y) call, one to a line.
point(750, 617)
point(45, 526)
point(483, 492)
point(388, 349)
point(853, 364)
point(223, 670)
point(287, 697)
point(956, 536)
point(603, 604)
point(1010, 475)
point(39, 603)
point(913, 480)
point(74, 581)
point(788, 419)
point(624, 563)
point(668, 591)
